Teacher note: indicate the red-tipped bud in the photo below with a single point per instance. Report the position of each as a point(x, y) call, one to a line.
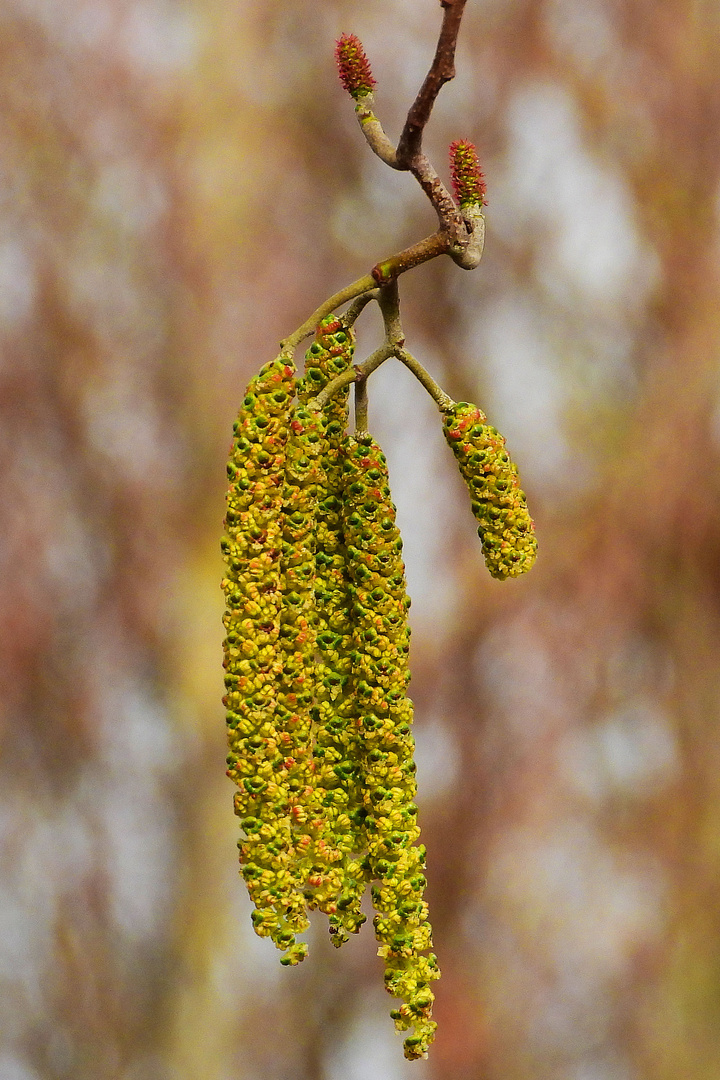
point(467, 178)
point(354, 67)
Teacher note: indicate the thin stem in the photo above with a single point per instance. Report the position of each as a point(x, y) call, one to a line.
point(409, 157)
point(373, 131)
point(382, 273)
point(443, 401)
point(349, 317)
point(468, 253)
point(429, 248)
point(389, 301)
point(353, 374)
point(454, 234)
point(361, 408)
point(362, 285)
point(450, 218)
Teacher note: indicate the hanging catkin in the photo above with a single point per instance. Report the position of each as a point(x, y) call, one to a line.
point(252, 549)
point(304, 481)
point(504, 524)
point(380, 663)
point(316, 659)
point(337, 880)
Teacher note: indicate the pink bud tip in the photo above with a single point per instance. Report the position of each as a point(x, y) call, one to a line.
point(468, 180)
point(354, 67)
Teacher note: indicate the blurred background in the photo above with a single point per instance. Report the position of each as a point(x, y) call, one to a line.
point(181, 183)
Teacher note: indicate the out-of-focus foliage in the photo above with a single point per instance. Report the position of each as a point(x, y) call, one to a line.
point(180, 185)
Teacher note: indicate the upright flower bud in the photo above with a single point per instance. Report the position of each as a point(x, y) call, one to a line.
point(467, 178)
point(354, 67)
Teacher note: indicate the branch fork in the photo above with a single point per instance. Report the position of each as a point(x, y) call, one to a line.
point(461, 222)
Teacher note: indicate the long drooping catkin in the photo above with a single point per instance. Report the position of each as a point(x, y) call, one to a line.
point(498, 503)
point(337, 879)
point(252, 549)
point(380, 664)
point(303, 485)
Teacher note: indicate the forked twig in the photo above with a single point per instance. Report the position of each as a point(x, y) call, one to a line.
point(461, 228)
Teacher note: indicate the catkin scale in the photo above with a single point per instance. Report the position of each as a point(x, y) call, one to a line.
point(381, 638)
point(505, 527)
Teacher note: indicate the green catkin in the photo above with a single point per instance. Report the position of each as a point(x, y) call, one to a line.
point(337, 879)
point(304, 483)
point(253, 660)
point(380, 662)
point(505, 527)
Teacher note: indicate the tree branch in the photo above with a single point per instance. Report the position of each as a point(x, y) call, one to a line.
point(361, 408)
point(362, 285)
point(436, 392)
point(409, 157)
point(391, 268)
point(441, 71)
point(461, 233)
point(381, 274)
point(388, 299)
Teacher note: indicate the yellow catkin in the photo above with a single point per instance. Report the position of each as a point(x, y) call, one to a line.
point(380, 662)
point(337, 877)
point(505, 527)
point(304, 485)
point(252, 548)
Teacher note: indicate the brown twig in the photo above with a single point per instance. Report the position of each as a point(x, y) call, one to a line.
point(390, 269)
point(451, 220)
point(382, 273)
point(388, 299)
point(441, 71)
point(460, 234)
point(349, 317)
point(361, 408)
point(409, 156)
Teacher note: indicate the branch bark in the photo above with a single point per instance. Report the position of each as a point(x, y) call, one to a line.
point(460, 235)
point(441, 71)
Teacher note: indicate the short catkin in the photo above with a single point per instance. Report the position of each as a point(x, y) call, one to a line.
point(337, 880)
point(252, 548)
point(505, 527)
point(380, 662)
